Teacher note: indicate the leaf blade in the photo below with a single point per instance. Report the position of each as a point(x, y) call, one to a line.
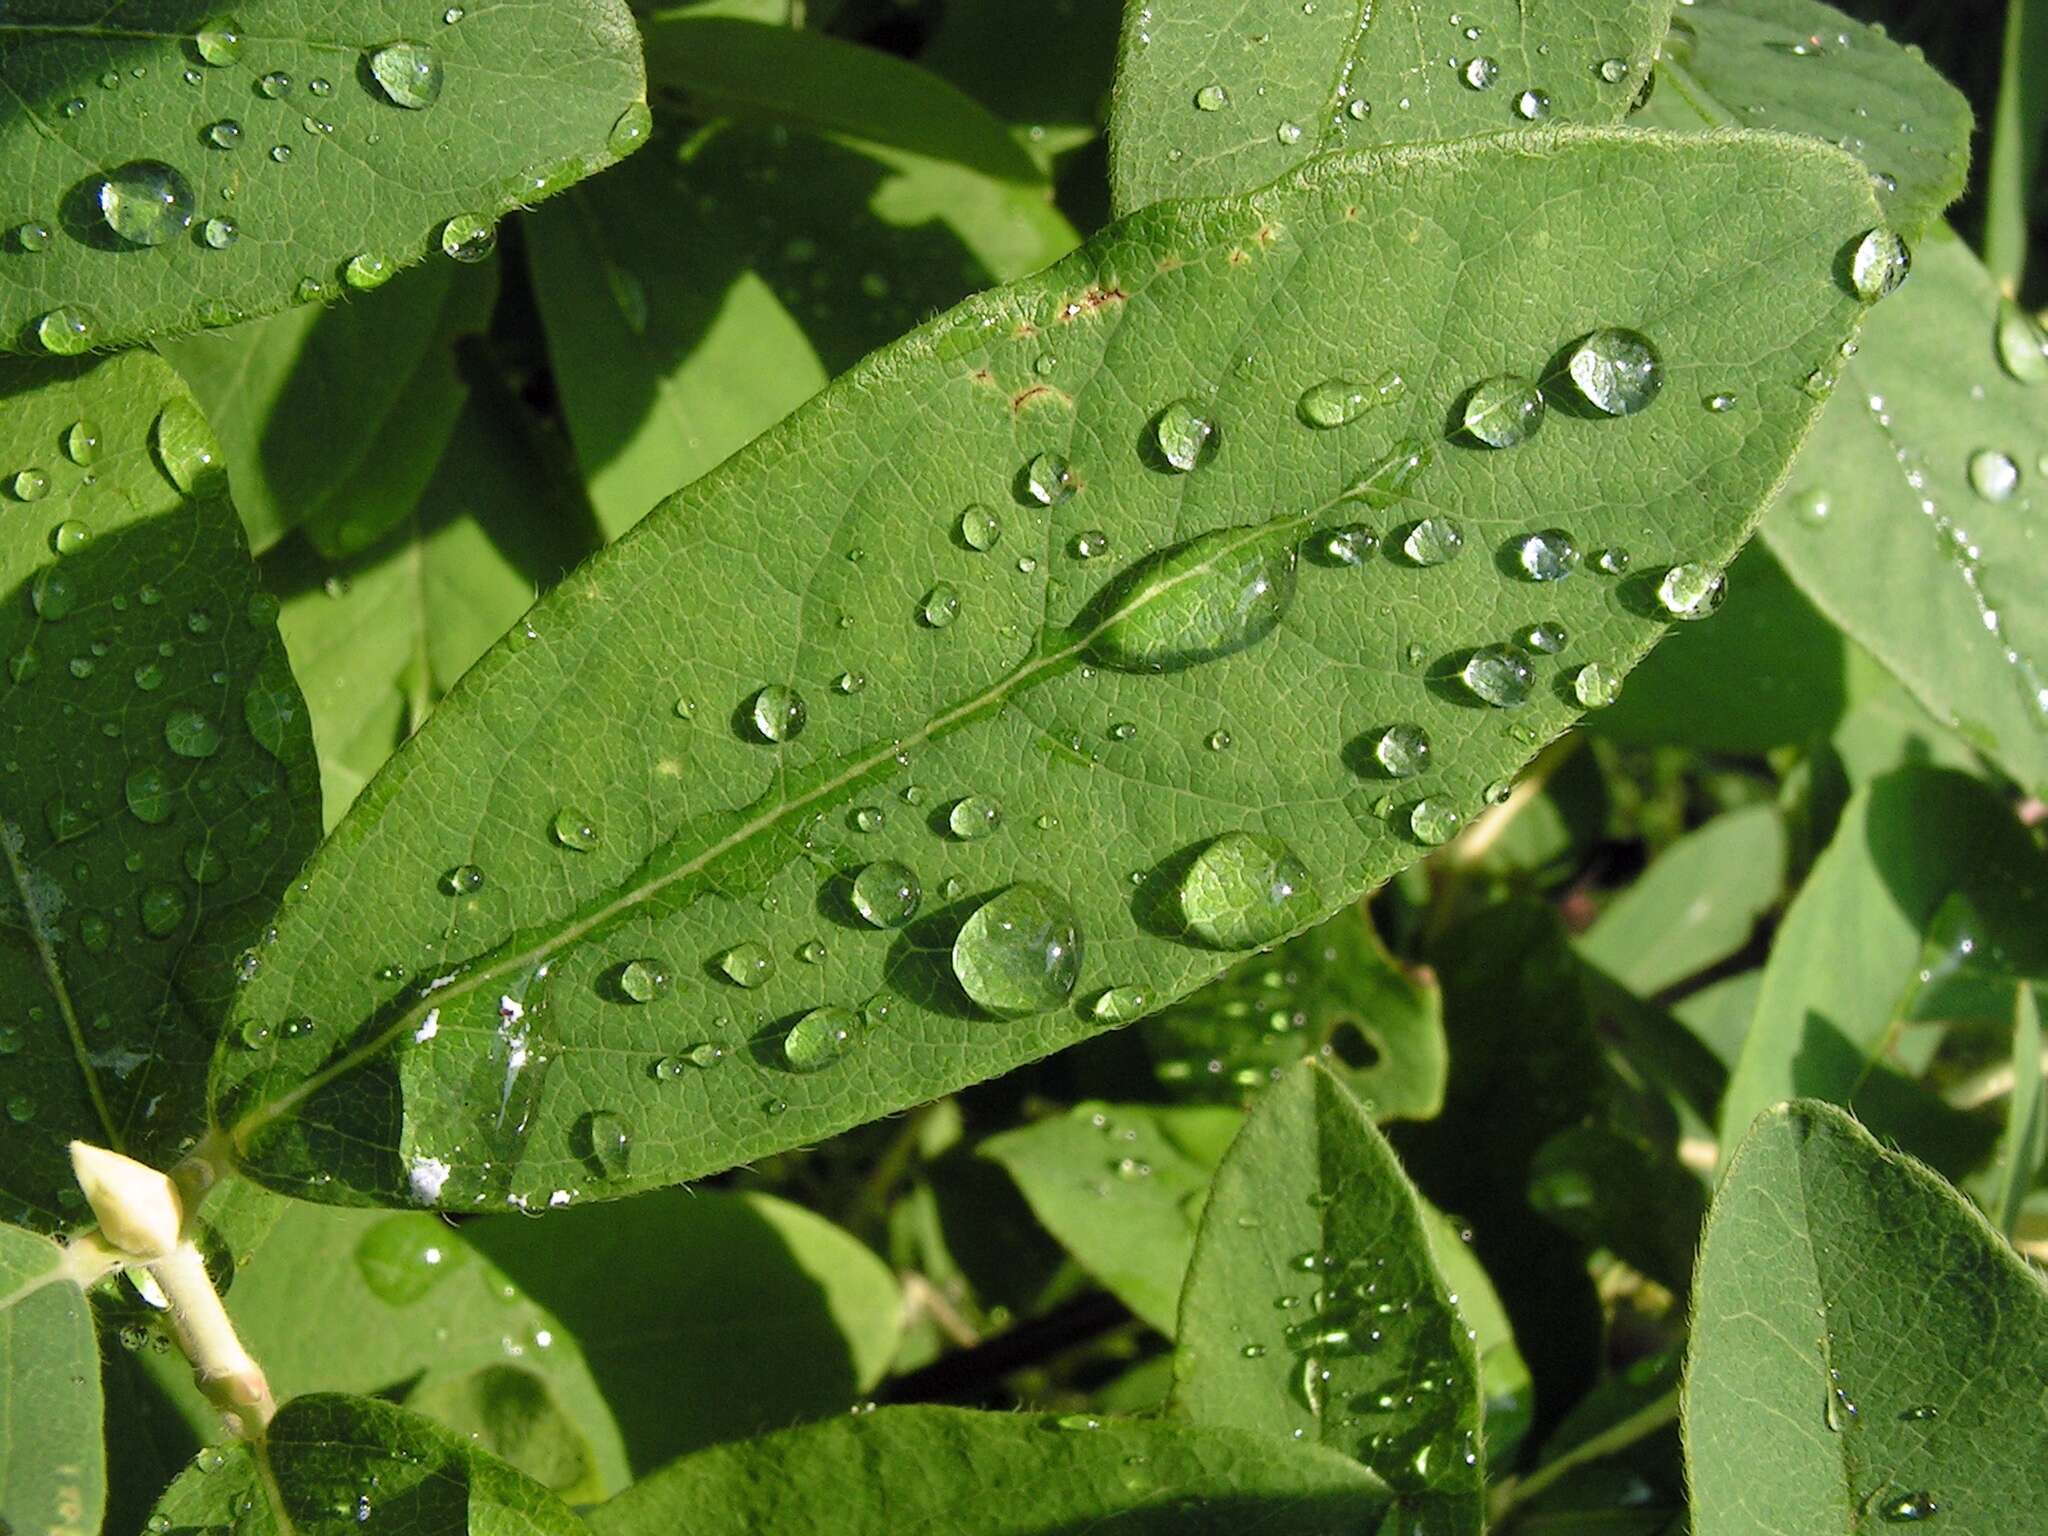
point(53, 1472)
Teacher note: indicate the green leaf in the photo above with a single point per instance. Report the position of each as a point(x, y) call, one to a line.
point(334, 418)
point(323, 164)
point(519, 1062)
point(329, 1464)
point(401, 1305)
point(2026, 1120)
point(161, 792)
point(1695, 906)
point(1121, 1186)
point(1845, 958)
point(1211, 99)
point(1617, 1191)
point(1001, 1474)
point(1314, 1310)
point(1844, 1285)
point(377, 641)
point(1333, 992)
point(1040, 63)
point(1910, 557)
point(53, 1462)
point(1806, 68)
point(707, 1316)
point(2016, 140)
point(705, 332)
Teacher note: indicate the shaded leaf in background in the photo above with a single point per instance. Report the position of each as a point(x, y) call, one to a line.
point(1121, 1186)
point(1002, 1474)
point(53, 1472)
point(829, 559)
point(1042, 66)
point(160, 789)
point(1615, 1191)
point(1313, 1308)
point(1333, 992)
point(706, 331)
point(1212, 98)
point(1845, 958)
point(1863, 1346)
point(377, 641)
point(2026, 1121)
point(334, 418)
point(707, 1316)
point(265, 166)
point(338, 1463)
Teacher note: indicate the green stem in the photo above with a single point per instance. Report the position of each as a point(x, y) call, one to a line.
point(1621, 1434)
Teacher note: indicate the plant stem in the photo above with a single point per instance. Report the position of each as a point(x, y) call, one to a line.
point(224, 1369)
point(1646, 1420)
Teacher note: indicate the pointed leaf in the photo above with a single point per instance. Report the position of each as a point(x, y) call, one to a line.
point(1212, 99)
point(1313, 1308)
point(162, 790)
point(53, 1462)
point(1865, 1349)
point(330, 1465)
point(178, 169)
point(986, 745)
point(1001, 1474)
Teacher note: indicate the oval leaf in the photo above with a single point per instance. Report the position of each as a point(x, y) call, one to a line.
point(804, 666)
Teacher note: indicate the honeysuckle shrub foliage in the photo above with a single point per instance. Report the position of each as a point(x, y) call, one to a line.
point(857, 767)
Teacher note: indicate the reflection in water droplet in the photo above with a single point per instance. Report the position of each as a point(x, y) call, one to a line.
point(1049, 479)
point(887, 893)
point(1532, 106)
point(1503, 411)
point(145, 202)
point(1617, 371)
point(31, 485)
point(1433, 541)
point(1547, 556)
point(1434, 821)
point(1185, 434)
point(1245, 890)
point(779, 713)
point(941, 606)
point(463, 880)
point(220, 42)
point(1480, 72)
point(70, 536)
point(1813, 507)
point(162, 908)
point(190, 734)
point(366, 271)
point(1878, 265)
point(819, 1038)
point(1403, 750)
point(1500, 675)
point(1020, 952)
point(1721, 403)
point(185, 448)
point(410, 74)
point(1122, 1005)
point(1692, 590)
point(747, 964)
point(65, 331)
point(1199, 601)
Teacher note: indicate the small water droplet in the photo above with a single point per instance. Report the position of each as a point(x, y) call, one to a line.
point(1480, 72)
point(747, 964)
point(1351, 544)
point(162, 908)
point(189, 733)
point(779, 713)
point(1532, 105)
point(1612, 561)
point(1243, 891)
point(1288, 132)
point(409, 73)
point(21, 1108)
point(1185, 433)
point(574, 829)
point(366, 271)
point(643, 980)
point(1692, 590)
point(1219, 741)
point(220, 42)
point(225, 134)
point(70, 536)
point(887, 893)
point(185, 448)
point(1212, 98)
point(1090, 543)
point(31, 485)
point(630, 131)
point(145, 202)
point(1337, 402)
point(52, 595)
point(1547, 556)
point(869, 818)
point(275, 84)
point(941, 606)
point(32, 236)
point(1020, 952)
point(219, 234)
point(1503, 411)
point(65, 331)
point(469, 237)
point(1403, 750)
point(1049, 479)
point(975, 816)
point(1433, 541)
point(1878, 265)
point(980, 527)
point(1813, 507)
point(463, 880)
point(608, 1143)
point(1617, 371)
point(1500, 675)
point(1993, 475)
point(1613, 71)
point(1720, 403)
point(404, 1257)
point(1908, 1508)
point(1596, 686)
point(1434, 821)
point(819, 1038)
point(2022, 343)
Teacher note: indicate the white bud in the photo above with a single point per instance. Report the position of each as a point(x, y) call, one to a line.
point(139, 1209)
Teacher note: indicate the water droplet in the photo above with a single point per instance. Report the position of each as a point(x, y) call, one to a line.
point(819, 1038)
point(700, 1056)
point(1020, 952)
point(225, 134)
point(1480, 72)
point(631, 130)
point(574, 829)
point(70, 536)
point(1219, 741)
point(162, 909)
point(1212, 98)
point(1908, 1508)
point(1339, 401)
point(275, 84)
point(469, 237)
point(1614, 71)
point(148, 794)
point(1122, 1005)
point(404, 1257)
point(52, 595)
point(887, 893)
point(1350, 544)
point(779, 713)
point(409, 73)
point(1618, 371)
point(980, 527)
point(219, 234)
point(1288, 132)
point(31, 485)
point(1049, 479)
point(145, 202)
point(1532, 106)
point(975, 816)
point(747, 964)
point(463, 880)
point(1208, 598)
point(2022, 343)
point(1692, 590)
point(1186, 436)
point(1500, 675)
point(320, 87)
point(1403, 750)
point(1612, 561)
point(1434, 821)
point(1090, 543)
point(1547, 556)
point(869, 818)
point(1919, 1413)
point(1433, 541)
point(1993, 475)
point(1244, 890)
point(941, 605)
point(608, 1143)
point(20, 1108)
point(66, 331)
point(220, 42)
point(1813, 507)
point(190, 734)
point(643, 980)
point(1503, 411)
point(185, 448)
point(1596, 686)
point(32, 236)
point(366, 271)
point(1721, 403)
point(281, 153)
point(1878, 265)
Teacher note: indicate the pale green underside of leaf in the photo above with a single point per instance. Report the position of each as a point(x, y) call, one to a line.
point(1313, 1308)
point(528, 103)
point(1804, 67)
point(1831, 1263)
point(1290, 77)
point(53, 1473)
point(333, 1464)
point(999, 1474)
point(1843, 965)
point(334, 418)
point(119, 927)
point(810, 556)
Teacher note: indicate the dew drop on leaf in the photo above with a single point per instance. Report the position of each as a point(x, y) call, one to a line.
point(2022, 343)
point(607, 1143)
point(1596, 686)
point(1878, 265)
point(1617, 371)
point(65, 331)
point(1208, 598)
point(275, 84)
point(779, 713)
point(463, 880)
point(1500, 675)
point(189, 733)
point(145, 202)
point(1349, 545)
point(747, 964)
point(643, 980)
point(1433, 541)
point(148, 794)
point(469, 237)
point(185, 448)
point(1090, 544)
point(161, 908)
point(1547, 556)
point(1434, 821)
point(1692, 590)
point(980, 528)
point(975, 816)
point(1503, 411)
point(1212, 98)
point(941, 606)
point(31, 485)
point(1612, 561)
point(1993, 475)
point(219, 42)
point(1122, 1005)
point(1049, 479)
point(631, 129)
point(1384, 482)
point(1614, 70)
point(574, 829)
point(1402, 750)
point(1020, 952)
point(1185, 434)
point(409, 73)
point(1908, 1508)
point(1480, 72)
point(819, 1038)
point(404, 1257)
point(887, 894)
point(219, 234)
point(1244, 890)
point(225, 134)
point(366, 271)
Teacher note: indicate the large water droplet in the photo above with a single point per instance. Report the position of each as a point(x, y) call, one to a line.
point(1433, 541)
point(941, 606)
point(410, 74)
point(469, 237)
point(1596, 686)
point(1878, 265)
point(1185, 433)
point(1480, 72)
point(1403, 750)
point(31, 485)
point(162, 909)
point(643, 980)
point(747, 964)
point(1503, 411)
point(819, 1038)
point(779, 713)
point(1532, 106)
point(2022, 343)
point(185, 448)
point(70, 536)
point(367, 270)
point(980, 527)
point(189, 733)
point(887, 893)
point(1435, 821)
point(1500, 675)
point(1993, 475)
point(220, 42)
point(146, 202)
point(1208, 598)
point(975, 816)
point(1245, 890)
point(403, 1257)
point(1617, 371)
point(1692, 590)
point(1338, 402)
point(607, 1143)
point(1020, 952)
point(1049, 479)
point(1547, 556)
point(65, 331)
